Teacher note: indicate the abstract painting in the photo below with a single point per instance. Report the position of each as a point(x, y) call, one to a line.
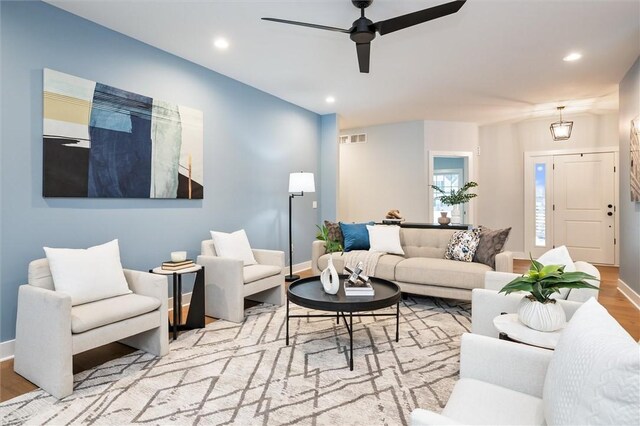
point(634, 143)
point(104, 142)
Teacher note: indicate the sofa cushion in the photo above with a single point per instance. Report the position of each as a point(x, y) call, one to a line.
point(480, 403)
point(594, 375)
point(356, 236)
point(491, 243)
point(441, 272)
point(425, 242)
point(92, 315)
point(253, 273)
point(463, 245)
point(386, 267)
point(338, 261)
point(89, 274)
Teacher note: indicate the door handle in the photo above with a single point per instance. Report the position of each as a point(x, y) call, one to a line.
point(610, 205)
point(609, 214)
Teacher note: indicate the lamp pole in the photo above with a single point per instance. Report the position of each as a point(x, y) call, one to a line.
point(291, 277)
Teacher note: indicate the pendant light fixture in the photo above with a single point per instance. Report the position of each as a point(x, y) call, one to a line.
point(561, 130)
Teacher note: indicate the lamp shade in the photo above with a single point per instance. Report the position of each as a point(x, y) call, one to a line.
point(301, 182)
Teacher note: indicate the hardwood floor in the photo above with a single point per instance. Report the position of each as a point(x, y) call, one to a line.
point(12, 385)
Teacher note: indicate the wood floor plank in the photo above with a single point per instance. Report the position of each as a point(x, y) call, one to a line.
point(12, 385)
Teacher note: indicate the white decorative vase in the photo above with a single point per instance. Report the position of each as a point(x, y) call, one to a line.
point(330, 279)
point(541, 316)
point(444, 219)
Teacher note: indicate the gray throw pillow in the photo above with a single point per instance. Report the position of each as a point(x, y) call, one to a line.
point(491, 243)
point(334, 232)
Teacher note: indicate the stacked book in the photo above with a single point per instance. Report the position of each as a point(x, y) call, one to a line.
point(359, 289)
point(176, 266)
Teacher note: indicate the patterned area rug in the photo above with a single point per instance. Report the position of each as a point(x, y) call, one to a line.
point(243, 374)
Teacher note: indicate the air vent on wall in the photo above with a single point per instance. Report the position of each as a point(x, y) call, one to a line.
point(349, 139)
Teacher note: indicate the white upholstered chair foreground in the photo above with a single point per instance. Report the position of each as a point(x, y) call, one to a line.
point(228, 282)
point(593, 377)
point(487, 303)
point(49, 330)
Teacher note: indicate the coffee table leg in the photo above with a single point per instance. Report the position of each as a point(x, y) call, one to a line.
point(175, 306)
point(397, 321)
point(287, 338)
point(337, 317)
point(350, 341)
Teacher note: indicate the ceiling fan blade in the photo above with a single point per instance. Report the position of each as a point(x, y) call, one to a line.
point(415, 18)
point(364, 55)
point(304, 24)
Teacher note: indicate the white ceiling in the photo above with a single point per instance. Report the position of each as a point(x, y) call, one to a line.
point(494, 60)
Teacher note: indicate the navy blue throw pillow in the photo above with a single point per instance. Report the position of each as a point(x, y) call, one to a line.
point(356, 236)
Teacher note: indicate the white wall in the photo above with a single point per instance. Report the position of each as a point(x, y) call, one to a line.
point(385, 173)
point(501, 164)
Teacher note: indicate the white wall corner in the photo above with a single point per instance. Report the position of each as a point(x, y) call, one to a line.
point(7, 349)
point(629, 293)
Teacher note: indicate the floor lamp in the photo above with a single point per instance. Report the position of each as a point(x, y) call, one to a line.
point(299, 183)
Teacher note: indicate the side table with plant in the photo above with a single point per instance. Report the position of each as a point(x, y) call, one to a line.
point(538, 310)
point(454, 198)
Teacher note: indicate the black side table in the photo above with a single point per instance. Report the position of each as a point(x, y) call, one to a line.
point(195, 317)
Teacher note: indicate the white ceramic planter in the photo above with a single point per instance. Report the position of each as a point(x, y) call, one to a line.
point(330, 279)
point(541, 316)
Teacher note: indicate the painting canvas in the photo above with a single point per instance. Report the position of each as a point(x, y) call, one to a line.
point(103, 142)
point(634, 178)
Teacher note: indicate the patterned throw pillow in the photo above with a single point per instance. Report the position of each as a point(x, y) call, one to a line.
point(491, 243)
point(463, 245)
point(334, 232)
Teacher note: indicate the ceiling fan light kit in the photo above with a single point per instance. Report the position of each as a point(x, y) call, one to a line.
point(561, 130)
point(363, 30)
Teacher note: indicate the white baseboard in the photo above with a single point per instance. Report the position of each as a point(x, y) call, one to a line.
point(629, 293)
point(7, 350)
point(298, 267)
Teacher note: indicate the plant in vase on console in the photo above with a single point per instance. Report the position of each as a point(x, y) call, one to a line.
point(454, 198)
point(538, 310)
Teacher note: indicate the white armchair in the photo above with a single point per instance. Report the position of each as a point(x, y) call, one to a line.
point(49, 330)
point(228, 282)
point(487, 303)
point(591, 378)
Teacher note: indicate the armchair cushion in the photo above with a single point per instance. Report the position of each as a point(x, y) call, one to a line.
point(253, 273)
point(476, 402)
point(89, 274)
point(92, 315)
point(234, 246)
point(594, 375)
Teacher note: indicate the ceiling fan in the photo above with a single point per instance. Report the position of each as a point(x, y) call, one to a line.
point(364, 30)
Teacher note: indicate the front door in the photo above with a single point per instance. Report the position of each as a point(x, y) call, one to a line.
point(583, 205)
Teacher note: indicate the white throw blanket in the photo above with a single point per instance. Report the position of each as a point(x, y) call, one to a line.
point(368, 258)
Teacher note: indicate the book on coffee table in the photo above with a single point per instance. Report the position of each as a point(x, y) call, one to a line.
point(358, 290)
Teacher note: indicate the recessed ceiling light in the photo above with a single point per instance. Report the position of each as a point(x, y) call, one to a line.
point(330, 99)
point(572, 57)
point(221, 43)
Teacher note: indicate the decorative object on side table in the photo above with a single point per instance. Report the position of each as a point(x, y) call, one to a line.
point(299, 183)
point(454, 198)
point(177, 266)
point(393, 217)
point(538, 310)
point(330, 279)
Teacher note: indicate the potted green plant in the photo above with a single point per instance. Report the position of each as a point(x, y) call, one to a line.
point(538, 310)
point(454, 198)
point(329, 244)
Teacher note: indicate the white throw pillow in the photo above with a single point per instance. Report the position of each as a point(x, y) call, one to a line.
point(594, 374)
point(385, 239)
point(234, 246)
point(559, 256)
point(89, 274)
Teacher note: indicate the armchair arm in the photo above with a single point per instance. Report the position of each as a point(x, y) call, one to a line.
point(269, 257)
point(224, 287)
point(511, 365)
point(317, 249)
point(504, 261)
point(420, 417)
point(497, 280)
point(584, 294)
point(43, 346)
point(146, 284)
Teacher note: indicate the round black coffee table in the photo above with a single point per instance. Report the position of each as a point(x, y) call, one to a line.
point(308, 293)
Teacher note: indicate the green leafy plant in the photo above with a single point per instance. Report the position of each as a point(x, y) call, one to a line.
point(460, 196)
point(330, 245)
point(542, 281)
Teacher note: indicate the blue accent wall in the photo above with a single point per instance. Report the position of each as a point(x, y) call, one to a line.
point(328, 166)
point(252, 141)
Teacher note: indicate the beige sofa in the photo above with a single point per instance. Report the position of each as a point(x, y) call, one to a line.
point(423, 269)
